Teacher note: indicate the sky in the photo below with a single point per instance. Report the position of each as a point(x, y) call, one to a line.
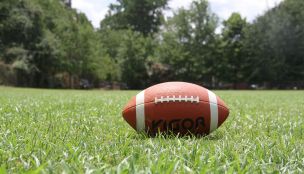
point(96, 9)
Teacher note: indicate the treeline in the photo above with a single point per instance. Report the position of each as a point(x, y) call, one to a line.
point(46, 44)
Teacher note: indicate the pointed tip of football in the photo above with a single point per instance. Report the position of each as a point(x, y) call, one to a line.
point(223, 111)
point(129, 113)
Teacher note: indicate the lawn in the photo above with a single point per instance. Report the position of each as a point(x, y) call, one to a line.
point(55, 131)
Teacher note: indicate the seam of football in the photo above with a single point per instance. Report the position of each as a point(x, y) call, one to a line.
point(201, 101)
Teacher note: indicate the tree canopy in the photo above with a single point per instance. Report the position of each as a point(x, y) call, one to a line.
point(48, 44)
point(144, 16)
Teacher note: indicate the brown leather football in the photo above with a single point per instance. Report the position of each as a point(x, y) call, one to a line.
point(177, 107)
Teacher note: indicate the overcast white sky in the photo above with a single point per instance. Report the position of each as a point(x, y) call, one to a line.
point(96, 9)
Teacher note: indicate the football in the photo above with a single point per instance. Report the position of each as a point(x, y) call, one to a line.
point(178, 107)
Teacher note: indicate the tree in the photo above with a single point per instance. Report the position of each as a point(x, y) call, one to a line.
point(41, 39)
point(21, 31)
point(188, 43)
point(143, 16)
point(275, 42)
point(133, 54)
point(234, 56)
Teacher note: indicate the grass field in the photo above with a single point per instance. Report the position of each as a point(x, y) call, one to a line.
point(55, 131)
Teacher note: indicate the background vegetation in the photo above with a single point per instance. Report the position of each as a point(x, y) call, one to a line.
point(47, 44)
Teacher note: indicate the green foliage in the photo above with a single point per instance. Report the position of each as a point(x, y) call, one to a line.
point(110, 41)
point(133, 54)
point(234, 55)
point(188, 42)
point(42, 39)
point(275, 42)
point(144, 16)
point(60, 131)
point(47, 44)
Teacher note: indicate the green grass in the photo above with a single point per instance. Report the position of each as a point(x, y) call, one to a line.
point(55, 131)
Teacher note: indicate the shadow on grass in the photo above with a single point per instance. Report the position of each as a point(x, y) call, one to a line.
point(218, 135)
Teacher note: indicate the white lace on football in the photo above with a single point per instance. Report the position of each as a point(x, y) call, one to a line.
point(168, 99)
